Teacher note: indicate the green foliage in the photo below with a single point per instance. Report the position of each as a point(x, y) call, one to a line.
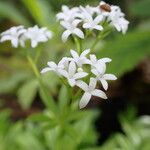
point(140, 8)
point(7, 10)
point(10, 84)
point(40, 11)
point(40, 132)
point(126, 51)
point(136, 133)
point(27, 93)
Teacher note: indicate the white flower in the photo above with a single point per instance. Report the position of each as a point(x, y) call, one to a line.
point(80, 60)
point(68, 14)
point(93, 23)
point(117, 19)
point(89, 92)
point(71, 28)
point(37, 35)
point(71, 74)
point(54, 67)
point(13, 34)
point(99, 64)
point(120, 24)
point(102, 77)
point(89, 22)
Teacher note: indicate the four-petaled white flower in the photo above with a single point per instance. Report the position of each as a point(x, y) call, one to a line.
point(68, 14)
point(13, 34)
point(72, 75)
point(82, 59)
point(89, 92)
point(37, 35)
point(89, 22)
point(71, 28)
point(99, 64)
point(102, 77)
point(54, 67)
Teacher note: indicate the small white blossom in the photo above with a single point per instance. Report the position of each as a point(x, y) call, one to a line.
point(99, 64)
point(71, 28)
point(117, 19)
point(80, 60)
point(102, 77)
point(37, 35)
point(54, 67)
point(72, 75)
point(89, 92)
point(89, 22)
point(13, 34)
point(68, 14)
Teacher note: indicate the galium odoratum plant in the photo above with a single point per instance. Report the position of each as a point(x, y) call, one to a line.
point(77, 22)
point(82, 70)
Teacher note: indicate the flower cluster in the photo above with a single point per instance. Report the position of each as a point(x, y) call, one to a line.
point(76, 19)
point(18, 35)
point(74, 70)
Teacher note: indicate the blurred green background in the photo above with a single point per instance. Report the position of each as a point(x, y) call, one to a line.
point(119, 125)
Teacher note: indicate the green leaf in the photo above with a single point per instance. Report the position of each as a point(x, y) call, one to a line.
point(63, 96)
point(27, 93)
point(126, 51)
point(10, 84)
point(40, 11)
point(7, 10)
point(140, 8)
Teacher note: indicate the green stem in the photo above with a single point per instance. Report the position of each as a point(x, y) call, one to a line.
point(47, 99)
point(37, 55)
point(100, 36)
point(78, 44)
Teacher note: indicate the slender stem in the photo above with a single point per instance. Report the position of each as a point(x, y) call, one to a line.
point(37, 55)
point(78, 44)
point(47, 99)
point(100, 36)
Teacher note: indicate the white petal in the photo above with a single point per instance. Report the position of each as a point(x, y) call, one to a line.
point(65, 35)
point(85, 52)
point(99, 93)
point(34, 43)
point(104, 60)
point(104, 84)
point(51, 64)
point(65, 24)
point(76, 22)
point(95, 72)
point(63, 73)
point(109, 77)
point(86, 61)
point(84, 100)
point(72, 68)
point(92, 83)
point(71, 82)
point(80, 75)
point(74, 54)
point(14, 42)
point(98, 19)
point(101, 68)
point(93, 58)
point(5, 38)
point(79, 33)
point(46, 70)
point(98, 27)
point(86, 25)
point(82, 85)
